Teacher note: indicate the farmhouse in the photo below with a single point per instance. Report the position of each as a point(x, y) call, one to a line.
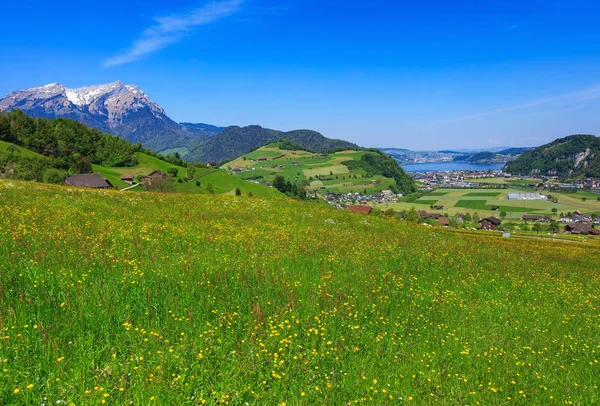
point(424, 215)
point(154, 176)
point(361, 209)
point(93, 180)
point(489, 223)
point(581, 227)
point(127, 178)
point(444, 221)
point(534, 217)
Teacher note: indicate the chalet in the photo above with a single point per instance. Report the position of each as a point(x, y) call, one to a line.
point(262, 159)
point(424, 215)
point(361, 209)
point(534, 217)
point(237, 170)
point(295, 163)
point(495, 208)
point(127, 178)
point(444, 221)
point(489, 223)
point(153, 177)
point(92, 180)
point(580, 227)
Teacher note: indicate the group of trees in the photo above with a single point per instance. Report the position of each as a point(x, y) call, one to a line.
point(289, 188)
point(66, 140)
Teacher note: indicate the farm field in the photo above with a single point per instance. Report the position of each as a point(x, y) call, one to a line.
point(144, 298)
point(481, 201)
point(308, 167)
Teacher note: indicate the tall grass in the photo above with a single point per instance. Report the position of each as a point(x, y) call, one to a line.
point(143, 298)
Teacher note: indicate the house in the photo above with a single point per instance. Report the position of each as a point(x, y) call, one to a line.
point(127, 178)
point(93, 180)
point(361, 209)
point(154, 176)
point(444, 221)
point(534, 217)
point(424, 215)
point(495, 208)
point(262, 159)
point(580, 228)
point(489, 223)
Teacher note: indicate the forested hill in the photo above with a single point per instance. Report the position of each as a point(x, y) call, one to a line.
point(235, 141)
point(572, 156)
point(375, 161)
point(61, 144)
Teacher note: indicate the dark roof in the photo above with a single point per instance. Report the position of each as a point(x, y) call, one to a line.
point(158, 172)
point(361, 209)
point(87, 180)
point(492, 220)
point(579, 228)
point(532, 217)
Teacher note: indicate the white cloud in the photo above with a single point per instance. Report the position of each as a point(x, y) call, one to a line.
point(592, 93)
point(173, 28)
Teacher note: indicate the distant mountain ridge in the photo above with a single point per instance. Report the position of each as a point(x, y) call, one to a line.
point(573, 156)
point(126, 111)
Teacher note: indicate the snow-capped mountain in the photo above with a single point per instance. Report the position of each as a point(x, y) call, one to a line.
point(124, 110)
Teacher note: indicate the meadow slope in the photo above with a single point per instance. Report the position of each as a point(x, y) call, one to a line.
point(143, 298)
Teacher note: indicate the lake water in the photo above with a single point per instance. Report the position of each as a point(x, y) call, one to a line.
point(450, 166)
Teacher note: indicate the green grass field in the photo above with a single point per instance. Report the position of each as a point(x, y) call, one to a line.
point(219, 179)
point(20, 151)
point(299, 166)
point(172, 299)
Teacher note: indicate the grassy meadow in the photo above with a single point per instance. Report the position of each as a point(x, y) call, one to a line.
point(181, 299)
point(338, 178)
point(481, 201)
point(222, 182)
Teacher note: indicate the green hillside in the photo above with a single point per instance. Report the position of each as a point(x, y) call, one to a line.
point(171, 299)
point(8, 149)
point(573, 156)
point(221, 181)
point(339, 172)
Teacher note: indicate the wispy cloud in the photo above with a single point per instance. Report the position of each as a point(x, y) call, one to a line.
point(170, 29)
point(592, 93)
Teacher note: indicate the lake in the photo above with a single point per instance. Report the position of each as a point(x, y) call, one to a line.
point(450, 166)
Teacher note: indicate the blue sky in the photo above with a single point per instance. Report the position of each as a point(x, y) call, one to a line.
point(408, 74)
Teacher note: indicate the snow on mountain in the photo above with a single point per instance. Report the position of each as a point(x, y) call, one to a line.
point(123, 110)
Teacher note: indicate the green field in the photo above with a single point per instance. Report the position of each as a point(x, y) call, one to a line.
point(221, 181)
point(302, 166)
point(484, 194)
point(22, 152)
point(172, 299)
